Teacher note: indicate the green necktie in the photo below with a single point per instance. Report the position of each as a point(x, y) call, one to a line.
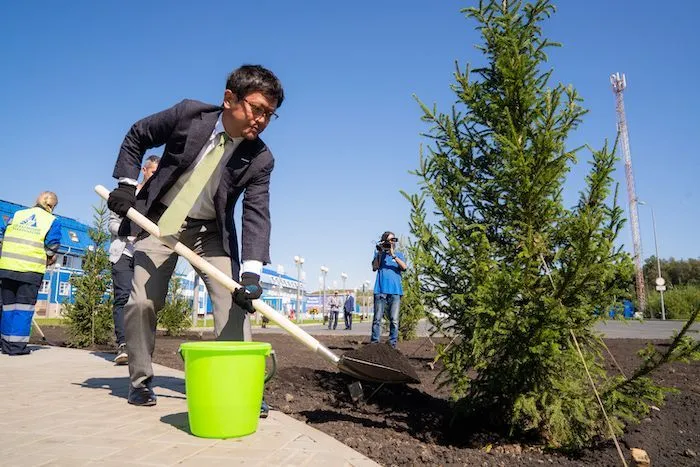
point(173, 217)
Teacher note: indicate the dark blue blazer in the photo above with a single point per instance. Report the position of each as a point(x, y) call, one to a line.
point(184, 129)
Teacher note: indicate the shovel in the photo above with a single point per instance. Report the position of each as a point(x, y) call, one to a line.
point(357, 368)
point(41, 333)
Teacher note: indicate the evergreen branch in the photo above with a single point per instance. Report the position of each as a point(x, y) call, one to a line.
point(657, 359)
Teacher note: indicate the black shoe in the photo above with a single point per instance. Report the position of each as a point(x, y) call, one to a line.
point(264, 410)
point(142, 396)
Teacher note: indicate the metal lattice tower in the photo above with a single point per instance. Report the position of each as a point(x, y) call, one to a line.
point(619, 83)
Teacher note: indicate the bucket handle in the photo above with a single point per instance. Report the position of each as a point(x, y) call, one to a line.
point(268, 376)
point(273, 370)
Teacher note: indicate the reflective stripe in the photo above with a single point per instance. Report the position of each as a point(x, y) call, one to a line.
point(7, 307)
point(24, 241)
point(28, 259)
point(14, 338)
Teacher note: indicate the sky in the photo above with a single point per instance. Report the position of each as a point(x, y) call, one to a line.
point(76, 75)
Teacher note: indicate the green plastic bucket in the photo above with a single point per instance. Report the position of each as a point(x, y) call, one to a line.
point(224, 383)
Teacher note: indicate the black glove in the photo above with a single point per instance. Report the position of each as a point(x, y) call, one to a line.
point(122, 198)
point(249, 291)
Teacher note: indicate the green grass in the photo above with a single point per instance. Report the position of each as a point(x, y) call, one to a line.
point(201, 323)
point(209, 322)
point(305, 321)
point(50, 321)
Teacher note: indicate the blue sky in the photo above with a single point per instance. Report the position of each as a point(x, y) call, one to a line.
point(77, 74)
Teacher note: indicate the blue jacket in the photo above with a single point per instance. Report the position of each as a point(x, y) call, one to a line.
point(349, 305)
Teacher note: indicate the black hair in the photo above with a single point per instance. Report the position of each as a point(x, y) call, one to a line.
point(386, 234)
point(254, 78)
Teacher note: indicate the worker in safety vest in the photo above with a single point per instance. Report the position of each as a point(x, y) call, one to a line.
point(30, 241)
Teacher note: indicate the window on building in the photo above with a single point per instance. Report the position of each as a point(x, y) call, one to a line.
point(74, 262)
point(64, 288)
point(44, 287)
point(73, 236)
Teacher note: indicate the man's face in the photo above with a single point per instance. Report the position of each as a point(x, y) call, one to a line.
point(148, 170)
point(248, 116)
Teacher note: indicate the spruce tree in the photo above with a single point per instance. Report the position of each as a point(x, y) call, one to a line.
point(90, 315)
point(412, 308)
point(520, 277)
point(175, 314)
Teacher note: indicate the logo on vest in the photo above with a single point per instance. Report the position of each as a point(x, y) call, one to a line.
point(29, 221)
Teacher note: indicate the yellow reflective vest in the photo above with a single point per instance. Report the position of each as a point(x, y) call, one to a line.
point(23, 244)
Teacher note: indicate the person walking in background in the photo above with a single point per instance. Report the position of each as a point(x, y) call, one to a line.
point(348, 308)
point(213, 154)
point(334, 306)
point(389, 265)
point(121, 255)
point(30, 242)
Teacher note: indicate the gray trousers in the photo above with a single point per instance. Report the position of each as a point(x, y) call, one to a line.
point(154, 264)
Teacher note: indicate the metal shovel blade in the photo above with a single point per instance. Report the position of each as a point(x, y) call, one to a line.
point(373, 372)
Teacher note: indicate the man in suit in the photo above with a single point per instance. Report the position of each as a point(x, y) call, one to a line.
point(348, 308)
point(224, 140)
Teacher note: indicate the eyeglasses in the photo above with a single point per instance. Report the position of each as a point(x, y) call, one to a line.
point(259, 111)
point(392, 239)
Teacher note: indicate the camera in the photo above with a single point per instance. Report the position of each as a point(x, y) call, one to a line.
point(384, 245)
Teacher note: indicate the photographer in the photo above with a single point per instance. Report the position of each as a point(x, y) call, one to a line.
point(389, 265)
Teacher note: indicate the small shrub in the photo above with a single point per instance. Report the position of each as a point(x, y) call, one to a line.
point(412, 307)
point(89, 317)
point(175, 315)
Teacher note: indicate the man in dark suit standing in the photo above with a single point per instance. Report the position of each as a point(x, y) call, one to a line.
point(212, 155)
point(348, 308)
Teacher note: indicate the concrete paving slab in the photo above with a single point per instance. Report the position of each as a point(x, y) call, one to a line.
point(67, 407)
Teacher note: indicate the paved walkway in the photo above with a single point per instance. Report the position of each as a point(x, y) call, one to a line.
point(68, 407)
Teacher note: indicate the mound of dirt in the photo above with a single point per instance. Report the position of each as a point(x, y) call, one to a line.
point(385, 355)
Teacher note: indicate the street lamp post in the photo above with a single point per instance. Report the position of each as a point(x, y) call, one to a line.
point(324, 271)
point(299, 262)
point(365, 297)
point(660, 282)
point(344, 277)
point(280, 273)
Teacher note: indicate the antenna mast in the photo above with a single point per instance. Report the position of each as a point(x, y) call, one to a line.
point(619, 83)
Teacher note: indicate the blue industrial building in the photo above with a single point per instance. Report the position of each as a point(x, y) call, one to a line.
point(279, 291)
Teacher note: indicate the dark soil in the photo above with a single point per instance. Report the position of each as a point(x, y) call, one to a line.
point(409, 424)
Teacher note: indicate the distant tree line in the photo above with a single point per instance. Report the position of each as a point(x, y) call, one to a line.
point(676, 272)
